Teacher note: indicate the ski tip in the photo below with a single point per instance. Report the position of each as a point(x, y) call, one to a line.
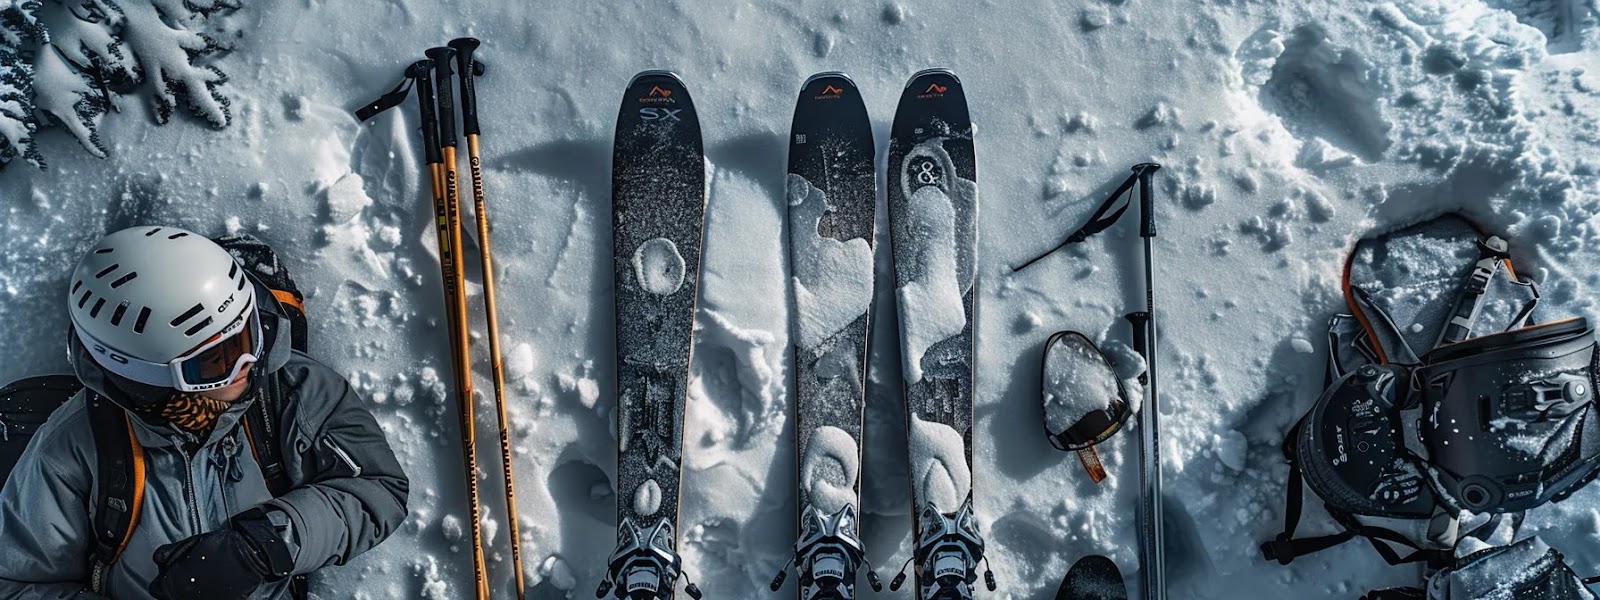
point(649, 73)
point(827, 75)
point(929, 72)
point(1093, 577)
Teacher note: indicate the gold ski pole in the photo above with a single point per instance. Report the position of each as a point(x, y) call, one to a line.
point(469, 125)
point(447, 211)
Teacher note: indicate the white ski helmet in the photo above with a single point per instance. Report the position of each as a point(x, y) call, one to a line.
point(153, 293)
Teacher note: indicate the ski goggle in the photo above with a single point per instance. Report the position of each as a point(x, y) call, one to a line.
point(215, 363)
point(1085, 402)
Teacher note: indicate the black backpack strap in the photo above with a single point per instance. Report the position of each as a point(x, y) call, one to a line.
point(120, 494)
point(1284, 547)
point(260, 428)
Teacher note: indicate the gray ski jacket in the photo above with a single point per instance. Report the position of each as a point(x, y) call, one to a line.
point(348, 494)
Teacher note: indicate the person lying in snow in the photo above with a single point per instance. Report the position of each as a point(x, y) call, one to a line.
point(194, 356)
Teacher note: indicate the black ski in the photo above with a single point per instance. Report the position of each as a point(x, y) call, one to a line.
point(1093, 577)
point(831, 194)
point(657, 218)
point(933, 214)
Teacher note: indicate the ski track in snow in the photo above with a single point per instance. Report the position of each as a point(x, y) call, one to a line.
point(1286, 131)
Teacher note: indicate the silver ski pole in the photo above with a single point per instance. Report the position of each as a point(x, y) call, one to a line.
point(1151, 547)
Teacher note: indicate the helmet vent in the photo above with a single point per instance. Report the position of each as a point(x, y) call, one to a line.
point(152, 232)
point(124, 279)
point(176, 235)
point(84, 299)
point(99, 303)
point(188, 314)
point(241, 284)
point(104, 250)
point(116, 315)
point(106, 271)
point(233, 270)
point(144, 315)
point(198, 326)
point(77, 284)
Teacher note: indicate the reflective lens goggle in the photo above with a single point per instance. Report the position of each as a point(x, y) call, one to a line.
point(1094, 426)
point(215, 363)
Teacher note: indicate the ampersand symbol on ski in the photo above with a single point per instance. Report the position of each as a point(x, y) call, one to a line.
point(925, 173)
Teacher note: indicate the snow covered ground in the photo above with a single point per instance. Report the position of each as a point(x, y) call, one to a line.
point(1287, 130)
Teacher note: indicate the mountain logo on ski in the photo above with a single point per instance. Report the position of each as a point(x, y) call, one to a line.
point(830, 92)
point(934, 91)
point(658, 95)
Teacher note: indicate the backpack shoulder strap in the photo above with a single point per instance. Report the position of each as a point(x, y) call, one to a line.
point(260, 428)
point(120, 494)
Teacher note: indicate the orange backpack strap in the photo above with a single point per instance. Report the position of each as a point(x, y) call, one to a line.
point(120, 489)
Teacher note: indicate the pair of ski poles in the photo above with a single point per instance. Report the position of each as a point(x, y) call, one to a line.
point(1151, 545)
point(439, 142)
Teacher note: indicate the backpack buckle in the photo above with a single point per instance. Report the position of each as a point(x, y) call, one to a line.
point(1280, 549)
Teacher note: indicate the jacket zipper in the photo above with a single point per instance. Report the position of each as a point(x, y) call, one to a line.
point(188, 488)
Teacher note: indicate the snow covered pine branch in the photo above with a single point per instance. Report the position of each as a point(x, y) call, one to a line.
point(66, 62)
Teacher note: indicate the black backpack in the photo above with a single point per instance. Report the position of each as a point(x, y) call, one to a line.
point(25, 404)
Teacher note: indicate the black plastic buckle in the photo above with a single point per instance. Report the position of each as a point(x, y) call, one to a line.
point(1280, 549)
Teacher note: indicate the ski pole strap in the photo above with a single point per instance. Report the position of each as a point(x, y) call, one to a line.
point(385, 102)
point(1098, 222)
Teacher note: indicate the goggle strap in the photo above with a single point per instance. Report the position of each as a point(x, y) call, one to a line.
point(1091, 463)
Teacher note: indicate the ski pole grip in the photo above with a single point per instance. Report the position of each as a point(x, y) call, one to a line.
point(469, 87)
point(425, 101)
point(1147, 208)
point(443, 58)
point(1141, 339)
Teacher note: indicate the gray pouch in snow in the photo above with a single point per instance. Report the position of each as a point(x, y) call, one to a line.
point(1525, 570)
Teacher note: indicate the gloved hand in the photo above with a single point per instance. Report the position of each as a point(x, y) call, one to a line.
point(227, 564)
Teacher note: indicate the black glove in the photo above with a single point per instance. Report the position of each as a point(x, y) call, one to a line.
point(228, 564)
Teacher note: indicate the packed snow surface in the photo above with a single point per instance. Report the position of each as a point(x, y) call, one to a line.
point(930, 305)
point(829, 469)
point(939, 470)
point(1286, 131)
point(832, 278)
point(658, 266)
